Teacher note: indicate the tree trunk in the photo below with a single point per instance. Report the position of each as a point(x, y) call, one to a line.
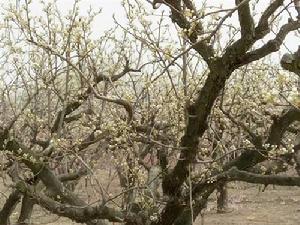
point(26, 211)
point(185, 218)
point(9, 207)
point(222, 198)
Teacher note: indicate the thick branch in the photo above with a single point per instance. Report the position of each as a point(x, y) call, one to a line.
point(281, 124)
point(194, 28)
point(238, 49)
point(42, 172)
point(277, 130)
point(245, 19)
point(263, 25)
point(72, 176)
point(79, 214)
point(271, 46)
point(198, 113)
point(237, 175)
point(291, 62)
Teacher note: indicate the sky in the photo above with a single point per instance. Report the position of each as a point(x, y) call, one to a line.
point(110, 7)
point(113, 7)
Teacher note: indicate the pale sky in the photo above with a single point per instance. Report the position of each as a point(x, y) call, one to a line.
point(110, 7)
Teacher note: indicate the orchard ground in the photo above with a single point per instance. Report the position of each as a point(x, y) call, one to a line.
point(250, 206)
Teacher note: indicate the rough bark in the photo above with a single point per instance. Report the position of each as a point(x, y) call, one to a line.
point(26, 210)
point(234, 57)
point(222, 198)
point(9, 206)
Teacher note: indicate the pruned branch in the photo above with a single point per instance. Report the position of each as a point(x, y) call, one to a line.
point(281, 124)
point(291, 62)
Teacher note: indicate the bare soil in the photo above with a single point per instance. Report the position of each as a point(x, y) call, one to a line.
point(251, 207)
point(279, 205)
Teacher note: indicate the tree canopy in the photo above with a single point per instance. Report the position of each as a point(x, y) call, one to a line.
point(141, 124)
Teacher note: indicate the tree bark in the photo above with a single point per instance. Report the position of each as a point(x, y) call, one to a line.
point(222, 198)
point(26, 210)
point(9, 207)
